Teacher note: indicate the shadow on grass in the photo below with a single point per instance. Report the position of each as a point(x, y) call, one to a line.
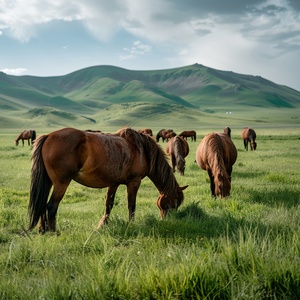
point(189, 225)
point(277, 198)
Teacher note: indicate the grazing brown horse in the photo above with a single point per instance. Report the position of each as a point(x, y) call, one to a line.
point(216, 154)
point(178, 148)
point(98, 161)
point(188, 133)
point(146, 131)
point(162, 134)
point(249, 135)
point(29, 135)
point(169, 135)
point(227, 130)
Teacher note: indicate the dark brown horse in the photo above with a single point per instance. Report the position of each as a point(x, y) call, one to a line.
point(178, 148)
point(188, 133)
point(162, 134)
point(216, 154)
point(227, 130)
point(249, 136)
point(168, 135)
point(98, 161)
point(29, 135)
point(146, 131)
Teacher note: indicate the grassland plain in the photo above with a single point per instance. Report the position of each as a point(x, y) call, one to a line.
point(244, 247)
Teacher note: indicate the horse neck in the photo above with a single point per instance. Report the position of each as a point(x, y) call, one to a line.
point(19, 137)
point(161, 175)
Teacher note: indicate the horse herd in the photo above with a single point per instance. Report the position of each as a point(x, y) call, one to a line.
point(99, 160)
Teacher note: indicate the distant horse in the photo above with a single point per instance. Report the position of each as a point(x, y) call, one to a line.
point(162, 133)
point(146, 131)
point(189, 133)
point(216, 154)
point(227, 130)
point(29, 135)
point(249, 135)
point(178, 148)
point(98, 161)
point(168, 135)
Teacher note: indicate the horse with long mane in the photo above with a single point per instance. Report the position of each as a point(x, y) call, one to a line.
point(162, 134)
point(98, 161)
point(146, 131)
point(29, 135)
point(249, 136)
point(188, 133)
point(178, 148)
point(227, 130)
point(216, 154)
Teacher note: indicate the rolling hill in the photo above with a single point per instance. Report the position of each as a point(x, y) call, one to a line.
point(110, 95)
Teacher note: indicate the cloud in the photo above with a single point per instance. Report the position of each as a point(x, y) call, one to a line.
point(137, 49)
point(16, 71)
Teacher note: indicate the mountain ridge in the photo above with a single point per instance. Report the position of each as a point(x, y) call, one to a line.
point(93, 89)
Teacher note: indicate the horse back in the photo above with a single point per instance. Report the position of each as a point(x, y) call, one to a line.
point(215, 144)
point(92, 160)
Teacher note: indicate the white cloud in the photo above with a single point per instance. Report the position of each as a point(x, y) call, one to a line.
point(16, 71)
point(238, 36)
point(137, 49)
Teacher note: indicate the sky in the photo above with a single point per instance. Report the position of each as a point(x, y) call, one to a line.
point(57, 37)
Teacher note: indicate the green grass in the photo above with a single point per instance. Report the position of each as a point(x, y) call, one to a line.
point(243, 247)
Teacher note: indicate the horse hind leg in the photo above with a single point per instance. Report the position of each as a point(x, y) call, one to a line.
point(52, 206)
point(110, 198)
point(246, 144)
point(212, 183)
point(173, 159)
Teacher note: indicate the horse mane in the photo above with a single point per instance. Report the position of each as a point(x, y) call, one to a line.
point(218, 166)
point(160, 171)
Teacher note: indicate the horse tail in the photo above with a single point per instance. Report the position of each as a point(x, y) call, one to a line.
point(33, 135)
point(40, 184)
point(221, 177)
point(179, 155)
point(195, 137)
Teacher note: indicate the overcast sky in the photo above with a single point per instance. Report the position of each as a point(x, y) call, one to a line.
point(57, 37)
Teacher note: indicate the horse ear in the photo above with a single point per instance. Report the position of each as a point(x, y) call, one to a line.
point(181, 188)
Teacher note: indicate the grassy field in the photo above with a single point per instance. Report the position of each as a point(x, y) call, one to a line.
point(244, 247)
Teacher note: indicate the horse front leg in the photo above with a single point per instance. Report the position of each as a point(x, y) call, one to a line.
point(110, 198)
point(132, 189)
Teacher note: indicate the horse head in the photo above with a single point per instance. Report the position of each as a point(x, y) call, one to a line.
point(222, 185)
point(253, 145)
point(181, 166)
point(167, 202)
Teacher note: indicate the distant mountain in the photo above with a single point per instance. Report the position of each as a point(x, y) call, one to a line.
point(92, 89)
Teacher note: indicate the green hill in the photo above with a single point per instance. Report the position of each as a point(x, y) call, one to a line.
point(190, 93)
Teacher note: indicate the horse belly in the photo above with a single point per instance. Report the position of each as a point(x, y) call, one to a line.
point(106, 167)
